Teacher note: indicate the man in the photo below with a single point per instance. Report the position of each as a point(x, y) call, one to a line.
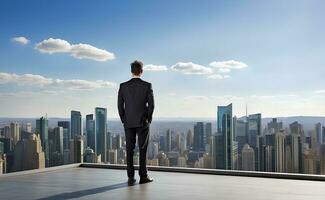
point(135, 106)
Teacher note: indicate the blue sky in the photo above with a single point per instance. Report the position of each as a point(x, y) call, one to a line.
point(269, 55)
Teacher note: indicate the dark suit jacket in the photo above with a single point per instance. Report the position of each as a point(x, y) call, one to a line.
point(135, 103)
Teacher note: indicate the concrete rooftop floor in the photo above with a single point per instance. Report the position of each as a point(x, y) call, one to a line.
point(92, 183)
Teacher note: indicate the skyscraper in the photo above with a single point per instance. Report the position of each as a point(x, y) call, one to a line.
point(58, 139)
point(90, 131)
point(28, 154)
point(76, 123)
point(293, 153)
point(199, 136)
point(248, 158)
point(225, 132)
point(322, 159)
point(254, 129)
point(66, 133)
point(15, 132)
point(274, 126)
point(168, 141)
point(100, 135)
point(78, 149)
point(279, 152)
point(318, 130)
point(240, 135)
point(208, 132)
point(42, 131)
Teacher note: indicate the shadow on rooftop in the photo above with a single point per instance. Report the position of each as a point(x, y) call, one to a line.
point(82, 193)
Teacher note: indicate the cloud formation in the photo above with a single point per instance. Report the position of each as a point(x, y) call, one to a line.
point(191, 68)
point(157, 68)
point(20, 40)
point(79, 51)
point(230, 64)
point(38, 80)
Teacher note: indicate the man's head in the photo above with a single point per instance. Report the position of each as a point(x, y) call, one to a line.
point(136, 68)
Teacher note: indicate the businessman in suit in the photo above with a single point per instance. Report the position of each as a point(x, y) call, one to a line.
point(135, 106)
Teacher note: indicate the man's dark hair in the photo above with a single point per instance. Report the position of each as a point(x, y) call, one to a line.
point(136, 67)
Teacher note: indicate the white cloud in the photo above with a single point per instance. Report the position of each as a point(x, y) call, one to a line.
point(51, 46)
point(230, 64)
point(86, 51)
point(218, 76)
point(20, 40)
point(151, 67)
point(38, 80)
point(79, 51)
point(191, 68)
point(224, 70)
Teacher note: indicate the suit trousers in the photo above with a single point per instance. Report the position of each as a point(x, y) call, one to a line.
point(143, 138)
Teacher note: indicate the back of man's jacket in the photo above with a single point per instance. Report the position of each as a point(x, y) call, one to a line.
point(135, 103)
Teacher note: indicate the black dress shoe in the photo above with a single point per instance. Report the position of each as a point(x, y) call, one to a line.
point(131, 181)
point(145, 179)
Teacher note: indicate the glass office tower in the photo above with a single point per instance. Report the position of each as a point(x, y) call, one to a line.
point(100, 136)
point(42, 130)
point(76, 123)
point(225, 134)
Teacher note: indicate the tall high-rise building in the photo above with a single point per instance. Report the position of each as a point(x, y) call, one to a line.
point(112, 156)
point(322, 159)
point(56, 146)
point(109, 139)
point(66, 133)
point(225, 132)
point(43, 132)
point(293, 157)
point(76, 123)
point(101, 130)
point(182, 143)
point(274, 126)
point(318, 131)
point(235, 156)
point(168, 141)
point(90, 131)
point(28, 154)
point(254, 129)
point(153, 149)
point(6, 132)
point(208, 132)
point(296, 128)
point(189, 138)
point(15, 132)
point(279, 152)
point(58, 139)
point(199, 136)
point(76, 149)
point(240, 135)
point(248, 158)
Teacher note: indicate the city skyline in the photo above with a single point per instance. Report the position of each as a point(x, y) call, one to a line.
point(261, 54)
point(234, 144)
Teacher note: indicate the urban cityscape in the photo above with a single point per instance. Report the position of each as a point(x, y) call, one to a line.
point(236, 143)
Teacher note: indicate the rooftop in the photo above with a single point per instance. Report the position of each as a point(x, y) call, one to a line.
point(98, 182)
